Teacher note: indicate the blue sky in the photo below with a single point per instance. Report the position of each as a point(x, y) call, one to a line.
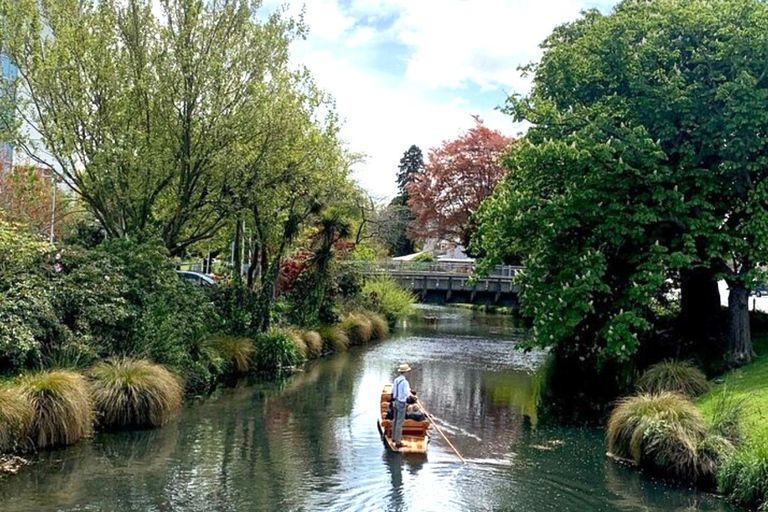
point(408, 72)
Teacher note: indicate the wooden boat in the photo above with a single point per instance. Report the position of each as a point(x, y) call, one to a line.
point(415, 433)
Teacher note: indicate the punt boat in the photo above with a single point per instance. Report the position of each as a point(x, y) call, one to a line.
point(415, 433)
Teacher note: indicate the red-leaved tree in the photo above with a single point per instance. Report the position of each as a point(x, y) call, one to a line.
point(455, 180)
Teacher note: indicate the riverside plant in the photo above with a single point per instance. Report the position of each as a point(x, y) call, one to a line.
point(237, 352)
point(743, 477)
point(668, 433)
point(358, 329)
point(379, 325)
point(15, 418)
point(674, 376)
point(134, 394)
point(334, 338)
point(276, 350)
point(62, 408)
point(384, 295)
point(314, 343)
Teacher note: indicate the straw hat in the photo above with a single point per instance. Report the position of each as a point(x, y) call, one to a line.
point(403, 368)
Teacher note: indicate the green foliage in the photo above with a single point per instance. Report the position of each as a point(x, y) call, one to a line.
point(725, 419)
point(379, 325)
point(358, 329)
point(15, 418)
point(276, 350)
point(237, 352)
point(383, 295)
point(744, 476)
point(674, 376)
point(130, 394)
point(62, 407)
point(334, 338)
point(668, 433)
point(425, 257)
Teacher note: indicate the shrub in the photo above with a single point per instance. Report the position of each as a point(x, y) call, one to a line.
point(130, 393)
point(666, 432)
point(380, 327)
point(15, 418)
point(674, 376)
point(358, 329)
point(744, 476)
point(61, 405)
point(334, 338)
point(236, 352)
point(313, 342)
point(424, 257)
point(275, 350)
point(384, 296)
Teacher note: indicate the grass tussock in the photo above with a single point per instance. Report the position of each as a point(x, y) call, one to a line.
point(131, 394)
point(237, 352)
point(314, 343)
point(302, 350)
point(379, 325)
point(358, 329)
point(668, 433)
point(334, 338)
point(674, 376)
point(384, 295)
point(61, 405)
point(276, 350)
point(15, 418)
point(743, 477)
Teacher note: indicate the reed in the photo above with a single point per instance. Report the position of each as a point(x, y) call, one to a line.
point(62, 408)
point(134, 394)
point(15, 418)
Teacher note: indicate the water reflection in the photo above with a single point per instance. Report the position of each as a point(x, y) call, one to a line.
point(311, 443)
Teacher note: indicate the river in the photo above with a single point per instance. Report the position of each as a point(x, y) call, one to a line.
point(311, 443)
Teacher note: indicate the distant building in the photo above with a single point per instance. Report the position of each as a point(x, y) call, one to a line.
point(9, 73)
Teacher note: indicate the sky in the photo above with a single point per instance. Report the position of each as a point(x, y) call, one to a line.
point(406, 72)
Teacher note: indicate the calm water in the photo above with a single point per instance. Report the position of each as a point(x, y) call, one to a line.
point(311, 443)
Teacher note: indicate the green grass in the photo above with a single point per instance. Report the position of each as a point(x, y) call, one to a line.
point(744, 476)
point(334, 338)
point(131, 394)
point(674, 376)
point(385, 296)
point(276, 350)
point(62, 407)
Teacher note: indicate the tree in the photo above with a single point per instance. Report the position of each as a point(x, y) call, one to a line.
point(691, 75)
point(137, 113)
point(458, 176)
point(411, 165)
point(26, 198)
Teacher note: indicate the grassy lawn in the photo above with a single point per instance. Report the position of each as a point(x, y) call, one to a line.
point(749, 384)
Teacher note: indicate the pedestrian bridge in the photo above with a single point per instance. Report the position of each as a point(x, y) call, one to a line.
point(449, 282)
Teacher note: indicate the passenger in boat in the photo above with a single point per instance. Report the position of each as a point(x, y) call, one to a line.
point(401, 391)
point(414, 412)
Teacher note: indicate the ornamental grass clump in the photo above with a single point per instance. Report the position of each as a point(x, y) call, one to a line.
point(298, 341)
point(62, 408)
point(358, 329)
point(674, 376)
point(334, 338)
point(743, 477)
point(15, 418)
point(314, 343)
point(237, 352)
point(134, 394)
point(668, 433)
point(384, 295)
point(379, 325)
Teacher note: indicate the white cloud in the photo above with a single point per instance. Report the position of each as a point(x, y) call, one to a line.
point(451, 50)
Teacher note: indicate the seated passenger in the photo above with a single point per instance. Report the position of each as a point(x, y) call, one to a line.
point(414, 412)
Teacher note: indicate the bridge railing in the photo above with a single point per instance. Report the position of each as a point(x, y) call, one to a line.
point(441, 267)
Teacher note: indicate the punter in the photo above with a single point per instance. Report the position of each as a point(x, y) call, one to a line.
point(401, 390)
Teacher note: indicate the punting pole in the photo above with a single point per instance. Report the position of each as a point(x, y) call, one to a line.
point(432, 419)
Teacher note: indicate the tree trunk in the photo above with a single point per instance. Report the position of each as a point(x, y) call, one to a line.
point(740, 349)
point(700, 306)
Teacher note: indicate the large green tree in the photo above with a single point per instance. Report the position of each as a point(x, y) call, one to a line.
point(691, 76)
point(137, 112)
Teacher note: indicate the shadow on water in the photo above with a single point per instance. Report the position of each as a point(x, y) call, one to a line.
point(311, 443)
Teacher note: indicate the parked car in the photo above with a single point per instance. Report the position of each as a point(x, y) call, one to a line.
point(197, 278)
point(760, 290)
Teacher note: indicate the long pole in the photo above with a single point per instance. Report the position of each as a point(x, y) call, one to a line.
point(432, 419)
